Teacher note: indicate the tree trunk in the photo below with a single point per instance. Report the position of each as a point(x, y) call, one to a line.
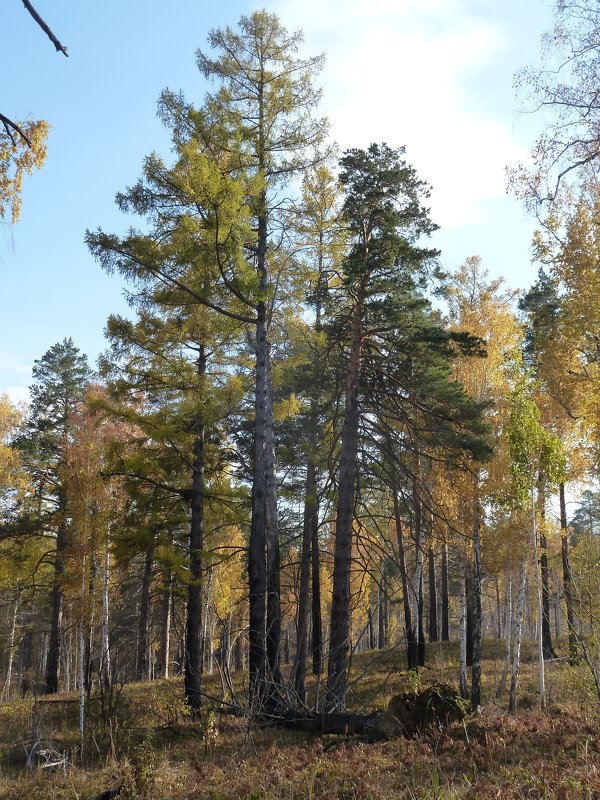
point(56, 605)
point(507, 637)
point(517, 634)
point(26, 678)
point(381, 613)
point(142, 661)
point(469, 601)
point(340, 606)
point(547, 647)
point(433, 609)
point(105, 665)
point(567, 579)
point(477, 610)
point(272, 539)
point(164, 653)
point(11, 652)
point(317, 625)
point(411, 644)
point(462, 629)
point(417, 588)
point(420, 614)
point(192, 677)
point(445, 596)
point(310, 517)
point(538, 586)
point(257, 566)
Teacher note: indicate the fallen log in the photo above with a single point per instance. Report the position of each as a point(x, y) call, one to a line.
point(407, 714)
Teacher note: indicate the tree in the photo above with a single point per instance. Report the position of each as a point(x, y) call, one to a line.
point(567, 85)
point(222, 207)
point(484, 309)
point(391, 351)
point(319, 231)
point(60, 379)
point(535, 452)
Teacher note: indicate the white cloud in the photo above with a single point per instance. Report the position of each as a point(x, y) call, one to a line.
point(10, 363)
point(401, 71)
point(17, 394)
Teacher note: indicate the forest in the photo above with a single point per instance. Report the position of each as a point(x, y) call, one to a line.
point(323, 509)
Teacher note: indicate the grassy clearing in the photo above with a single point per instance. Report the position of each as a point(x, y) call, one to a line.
point(155, 751)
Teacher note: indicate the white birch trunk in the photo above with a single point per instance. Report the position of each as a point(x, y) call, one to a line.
point(11, 653)
point(105, 666)
point(463, 629)
point(538, 587)
point(517, 634)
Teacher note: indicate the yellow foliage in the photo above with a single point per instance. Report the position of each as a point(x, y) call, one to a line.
point(18, 159)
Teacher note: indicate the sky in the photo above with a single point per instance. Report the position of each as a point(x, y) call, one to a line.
point(435, 76)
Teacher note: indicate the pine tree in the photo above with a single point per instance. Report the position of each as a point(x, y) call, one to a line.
point(61, 377)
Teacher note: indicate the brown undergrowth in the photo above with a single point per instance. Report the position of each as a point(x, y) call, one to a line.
point(155, 751)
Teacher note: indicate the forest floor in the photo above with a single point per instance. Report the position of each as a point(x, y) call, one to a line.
point(154, 751)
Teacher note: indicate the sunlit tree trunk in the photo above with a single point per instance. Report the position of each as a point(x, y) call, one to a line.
point(517, 634)
point(567, 579)
point(339, 630)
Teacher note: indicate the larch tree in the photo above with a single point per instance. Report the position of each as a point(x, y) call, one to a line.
point(223, 203)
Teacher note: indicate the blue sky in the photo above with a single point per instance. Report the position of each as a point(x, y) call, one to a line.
point(434, 75)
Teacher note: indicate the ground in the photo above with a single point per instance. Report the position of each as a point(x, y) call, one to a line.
point(154, 751)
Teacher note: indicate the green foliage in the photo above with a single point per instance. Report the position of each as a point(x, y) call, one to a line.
point(533, 449)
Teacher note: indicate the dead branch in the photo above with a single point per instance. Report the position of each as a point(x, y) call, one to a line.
point(60, 48)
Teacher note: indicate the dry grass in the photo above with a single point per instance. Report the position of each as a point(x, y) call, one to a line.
point(553, 754)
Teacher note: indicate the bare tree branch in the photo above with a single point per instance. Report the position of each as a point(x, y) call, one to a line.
point(10, 126)
point(59, 47)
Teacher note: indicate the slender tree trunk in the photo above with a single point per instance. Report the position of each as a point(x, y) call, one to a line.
point(164, 654)
point(469, 601)
point(420, 614)
point(445, 596)
point(310, 517)
point(11, 652)
point(417, 589)
point(507, 637)
point(371, 627)
point(105, 662)
point(538, 586)
point(26, 662)
point(477, 608)
point(462, 629)
point(55, 640)
point(381, 609)
point(567, 579)
point(339, 636)
point(317, 624)
point(548, 649)
point(433, 608)
point(498, 611)
point(91, 626)
point(257, 566)
point(272, 537)
point(83, 648)
point(193, 623)
point(411, 653)
point(517, 634)
point(142, 671)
